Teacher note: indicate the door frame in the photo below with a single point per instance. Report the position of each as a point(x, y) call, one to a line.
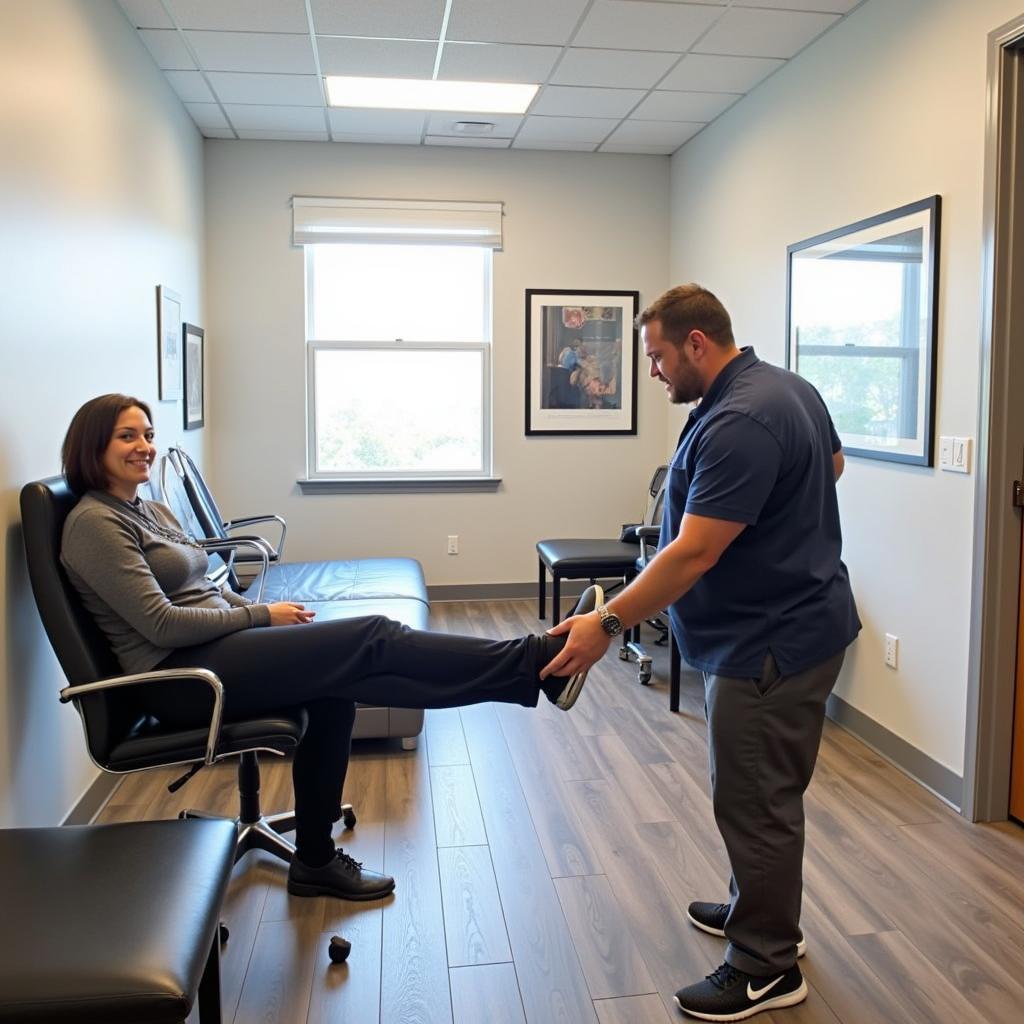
point(995, 579)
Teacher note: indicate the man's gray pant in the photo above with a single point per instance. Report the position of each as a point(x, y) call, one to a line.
point(763, 738)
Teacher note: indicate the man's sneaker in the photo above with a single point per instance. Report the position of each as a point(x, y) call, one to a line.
point(710, 918)
point(342, 876)
point(731, 994)
point(589, 600)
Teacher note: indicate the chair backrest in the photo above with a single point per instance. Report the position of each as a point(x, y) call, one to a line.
point(656, 496)
point(175, 494)
point(80, 646)
point(199, 495)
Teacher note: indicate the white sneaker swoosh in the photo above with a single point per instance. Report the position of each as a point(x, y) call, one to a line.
point(754, 994)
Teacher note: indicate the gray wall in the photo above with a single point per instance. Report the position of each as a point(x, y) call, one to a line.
point(889, 107)
point(571, 221)
point(100, 201)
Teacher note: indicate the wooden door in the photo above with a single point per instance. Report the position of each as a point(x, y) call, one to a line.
point(1017, 770)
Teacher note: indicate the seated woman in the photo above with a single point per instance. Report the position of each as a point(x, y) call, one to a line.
point(144, 581)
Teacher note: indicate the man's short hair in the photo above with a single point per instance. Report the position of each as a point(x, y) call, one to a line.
point(689, 307)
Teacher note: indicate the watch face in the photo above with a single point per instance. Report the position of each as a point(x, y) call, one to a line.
point(611, 623)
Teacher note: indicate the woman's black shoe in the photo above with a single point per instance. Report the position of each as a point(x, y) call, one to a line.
point(343, 877)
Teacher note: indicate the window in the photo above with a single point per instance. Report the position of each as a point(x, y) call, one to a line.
point(398, 340)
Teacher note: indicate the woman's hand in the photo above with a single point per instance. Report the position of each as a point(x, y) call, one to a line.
point(287, 613)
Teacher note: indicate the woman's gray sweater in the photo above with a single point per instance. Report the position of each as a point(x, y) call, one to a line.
point(149, 595)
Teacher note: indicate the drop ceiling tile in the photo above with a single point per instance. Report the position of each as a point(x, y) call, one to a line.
point(566, 129)
point(253, 51)
point(207, 115)
point(477, 142)
point(378, 58)
point(745, 32)
point(620, 69)
point(825, 6)
point(283, 136)
point(398, 19)
point(377, 140)
point(240, 15)
point(497, 62)
point(168, 49)
point(549, 144)
point(146, 13)
point(280, 90)
point(505, 125)
point(654, 133)
point(376, 122)
point(189, 86)
point(638, 25)
point(683, 106)
point(525, 21)
point(272, 118)
point(576, 101)
point(617, 147)
point(719, 74)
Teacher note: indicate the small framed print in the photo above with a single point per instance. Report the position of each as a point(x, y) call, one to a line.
point(193, 339)
point(168, 333)
point(581, 361)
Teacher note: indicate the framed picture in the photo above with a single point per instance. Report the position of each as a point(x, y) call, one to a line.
point(581, 361)
point(192, 343)
point(862, 326)
point(168, 333)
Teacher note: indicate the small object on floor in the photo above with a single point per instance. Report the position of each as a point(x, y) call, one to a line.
point(339, 949)
point(348, 816)
point(729, 994)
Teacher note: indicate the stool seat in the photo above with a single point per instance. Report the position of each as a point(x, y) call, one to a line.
point(587, 556)
point(110, 923)
point(578, 559)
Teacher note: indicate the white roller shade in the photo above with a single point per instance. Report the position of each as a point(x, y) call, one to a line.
point(401, 221)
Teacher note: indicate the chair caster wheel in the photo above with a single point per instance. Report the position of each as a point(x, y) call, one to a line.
point(348, 816)
point(339, 949)
point(644, 675)
point(222, 933)
point(182, 815)
point(623, 654)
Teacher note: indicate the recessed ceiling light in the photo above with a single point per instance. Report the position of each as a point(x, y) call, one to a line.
point(427, 94)
point(474, 127)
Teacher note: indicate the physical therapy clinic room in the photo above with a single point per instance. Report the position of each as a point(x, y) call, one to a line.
point(512, 511)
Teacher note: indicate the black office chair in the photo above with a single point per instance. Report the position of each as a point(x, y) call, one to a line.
point(121, 735)
point(619, 560)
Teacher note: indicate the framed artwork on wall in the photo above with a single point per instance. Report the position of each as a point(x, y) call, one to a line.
point(193, 339)
point(168, 333)
point(861, 320)
point(581, 361)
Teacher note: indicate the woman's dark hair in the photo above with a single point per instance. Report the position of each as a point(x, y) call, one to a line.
point(87, 438)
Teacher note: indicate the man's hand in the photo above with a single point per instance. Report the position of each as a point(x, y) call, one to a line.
point(586, 645)
point(288, 613)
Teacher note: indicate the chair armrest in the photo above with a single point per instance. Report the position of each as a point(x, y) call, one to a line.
point(162, 675)
point(275, 555)
point(263, 549)
point(648, 532)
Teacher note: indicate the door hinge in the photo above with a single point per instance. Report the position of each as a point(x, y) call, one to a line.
point(1018, 494)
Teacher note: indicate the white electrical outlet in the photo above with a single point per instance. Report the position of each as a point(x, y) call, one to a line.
point(453, 543)
point(892, 649)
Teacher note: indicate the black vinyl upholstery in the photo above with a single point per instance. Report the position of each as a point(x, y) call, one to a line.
point(112, 924)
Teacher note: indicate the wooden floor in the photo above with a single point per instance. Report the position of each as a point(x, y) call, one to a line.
point(544, 861)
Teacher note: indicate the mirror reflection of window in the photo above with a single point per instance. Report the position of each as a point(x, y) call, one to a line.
point(860, 322)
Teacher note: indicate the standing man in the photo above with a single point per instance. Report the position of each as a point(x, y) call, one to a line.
point(749, 565)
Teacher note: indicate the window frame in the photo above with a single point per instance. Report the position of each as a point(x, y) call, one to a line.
point(313, 346)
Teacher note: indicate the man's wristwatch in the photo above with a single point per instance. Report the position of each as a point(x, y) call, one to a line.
point(610, 622)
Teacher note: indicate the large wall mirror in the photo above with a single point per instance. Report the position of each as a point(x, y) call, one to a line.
point(861, 322)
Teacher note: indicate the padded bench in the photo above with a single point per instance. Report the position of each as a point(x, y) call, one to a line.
point(113, 924)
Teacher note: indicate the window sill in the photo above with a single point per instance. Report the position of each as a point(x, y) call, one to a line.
point(398, 485)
